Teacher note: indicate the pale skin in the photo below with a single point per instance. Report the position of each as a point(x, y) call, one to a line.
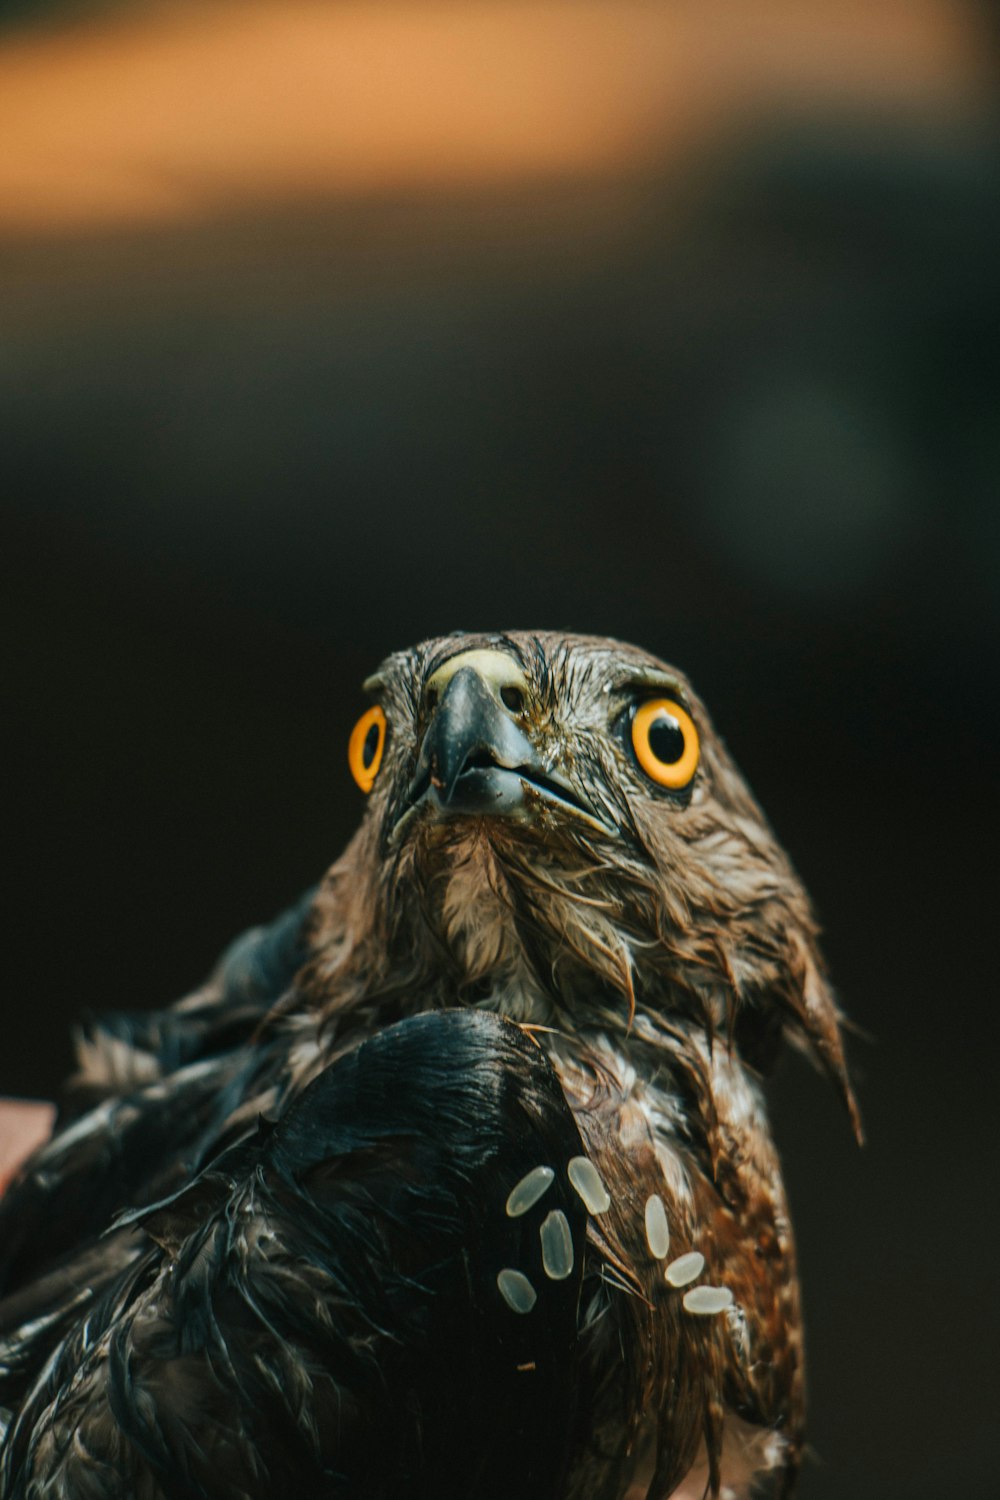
point(24, 1125)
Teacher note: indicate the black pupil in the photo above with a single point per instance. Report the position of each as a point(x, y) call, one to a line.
point(370, 747)
point(666, 740)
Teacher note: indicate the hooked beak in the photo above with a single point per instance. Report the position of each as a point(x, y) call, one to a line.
point(476, 759)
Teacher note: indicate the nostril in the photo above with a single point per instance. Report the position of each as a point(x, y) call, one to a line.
point(512, 698)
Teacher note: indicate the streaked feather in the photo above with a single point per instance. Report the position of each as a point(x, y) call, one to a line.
point(268, 1249)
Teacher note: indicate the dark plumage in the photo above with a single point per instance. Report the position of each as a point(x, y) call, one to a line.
point(268, 1250)
point(310, 1313)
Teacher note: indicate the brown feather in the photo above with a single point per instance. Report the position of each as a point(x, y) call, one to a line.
point(656, 964)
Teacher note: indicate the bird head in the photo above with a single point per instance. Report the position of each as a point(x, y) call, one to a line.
point(554, 828)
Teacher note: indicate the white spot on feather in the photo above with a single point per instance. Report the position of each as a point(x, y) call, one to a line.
point(685, 1268)
point(526, 1193)
point(587, 1180)
point(557, 1246)
point(657, 1229)
point(706, 1300)
point(516, 1290)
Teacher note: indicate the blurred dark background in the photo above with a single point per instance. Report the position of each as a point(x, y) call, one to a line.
point(328, 327)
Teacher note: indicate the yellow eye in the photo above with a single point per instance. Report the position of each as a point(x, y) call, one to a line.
point(665, 742)
point(364, 753)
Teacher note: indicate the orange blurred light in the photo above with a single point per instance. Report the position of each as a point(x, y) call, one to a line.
point(179, 112)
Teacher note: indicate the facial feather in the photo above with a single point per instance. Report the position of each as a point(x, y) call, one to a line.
point(680, 905)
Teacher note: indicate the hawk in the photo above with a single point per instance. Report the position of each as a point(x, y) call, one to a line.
point(457, 1179)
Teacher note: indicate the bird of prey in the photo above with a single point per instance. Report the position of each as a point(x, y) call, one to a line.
point(457, 1179)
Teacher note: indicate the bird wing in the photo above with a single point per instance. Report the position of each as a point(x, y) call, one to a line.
point(345, 1303)
point(159, 1093)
